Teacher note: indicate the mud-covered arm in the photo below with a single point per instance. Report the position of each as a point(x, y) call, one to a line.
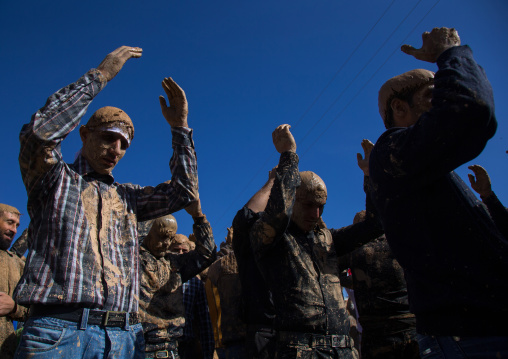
point(242, 225)
point(166, 198)
point(452, 133)
point(40, 156)
point(194, 262)
point(274, 221)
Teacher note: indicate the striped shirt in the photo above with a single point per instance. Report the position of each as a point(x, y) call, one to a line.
point(84, 246)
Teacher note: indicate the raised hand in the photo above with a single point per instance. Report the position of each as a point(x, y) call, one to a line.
point(434, 43)
point(481, 184)
point(113, 63)
point(176, 114)
point(283, 140)
point(363, 163)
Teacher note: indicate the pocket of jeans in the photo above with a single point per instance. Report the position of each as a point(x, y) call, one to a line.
point(41, 337)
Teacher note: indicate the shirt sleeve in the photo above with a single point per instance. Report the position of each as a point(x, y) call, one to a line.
point(273, 222)
point(166, 198)
point(194, 262)
point(498, 212)
point(452, 133)
point(40, 153)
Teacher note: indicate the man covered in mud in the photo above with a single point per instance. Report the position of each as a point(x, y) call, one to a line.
point(11, 268)
point(82, 272)
point(299, 260)
point(454, 258)
point(162, 311)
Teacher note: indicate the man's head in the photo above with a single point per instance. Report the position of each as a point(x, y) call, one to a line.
point(310, 201)
point(9, 223)
point(180, 244)
point(161, 235)
point(106, 137)
point(404, 98)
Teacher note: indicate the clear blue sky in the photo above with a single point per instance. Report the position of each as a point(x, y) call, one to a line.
point(246, 67)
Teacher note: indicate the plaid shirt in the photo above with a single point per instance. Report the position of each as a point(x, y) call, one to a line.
point(84, 245)
point(196, 305)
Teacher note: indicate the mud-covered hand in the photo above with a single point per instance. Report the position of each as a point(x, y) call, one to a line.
point(229, 237)
point(113, 63)
point(363, 163)
point(283, 140)
point(481, 183)
point(434, 44)
point(176, 113)
point(194, 209)
point(7, 305)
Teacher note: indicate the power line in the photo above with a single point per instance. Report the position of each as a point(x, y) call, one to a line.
point(368, 81)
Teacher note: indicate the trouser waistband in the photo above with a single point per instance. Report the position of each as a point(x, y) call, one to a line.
point(317, 340)
point(84, 316)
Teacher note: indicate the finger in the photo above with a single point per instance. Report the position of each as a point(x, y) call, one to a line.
point(408, 49)
point(359, 157)
point(476, 169)
point(166, 84)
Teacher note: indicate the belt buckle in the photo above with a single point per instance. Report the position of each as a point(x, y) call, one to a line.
point(106, 317)
point(162, 354)
point(335, 341)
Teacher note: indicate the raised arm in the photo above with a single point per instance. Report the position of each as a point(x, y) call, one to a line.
point(481, 184)
point(40, 139)
point(275, 219)
point(194, 262)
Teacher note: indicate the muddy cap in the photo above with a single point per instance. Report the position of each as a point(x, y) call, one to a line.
point(398, 84)
point(112, 119)
point(10, 209)
point(312, 184)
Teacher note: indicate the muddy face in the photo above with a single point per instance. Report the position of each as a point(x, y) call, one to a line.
point(103, 149)
point(310, 201)
point(180, 244)
point(161, 236)
point(9, 223)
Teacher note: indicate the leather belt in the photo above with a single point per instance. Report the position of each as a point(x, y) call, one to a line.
point(95, 317)
point(317, 340)
point(162, 354)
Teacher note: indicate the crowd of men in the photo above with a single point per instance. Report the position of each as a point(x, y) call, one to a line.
point(426, 261)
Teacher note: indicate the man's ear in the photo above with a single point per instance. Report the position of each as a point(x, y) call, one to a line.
point(400, 110)
point(83, 133)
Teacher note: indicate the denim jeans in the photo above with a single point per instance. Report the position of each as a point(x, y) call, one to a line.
point(446, 347)
point(46, 337)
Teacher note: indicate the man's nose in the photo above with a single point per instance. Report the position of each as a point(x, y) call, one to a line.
point(116, 147)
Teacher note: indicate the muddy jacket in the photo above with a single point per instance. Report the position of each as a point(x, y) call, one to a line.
point(223, 273)
point(498, 212)
point(161, 306)
point(301, 269)
point(11, 268)
point(454, 257)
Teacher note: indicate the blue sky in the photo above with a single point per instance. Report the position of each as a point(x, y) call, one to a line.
point(246, 67)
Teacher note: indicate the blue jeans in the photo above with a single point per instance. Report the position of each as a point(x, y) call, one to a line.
point(46, 337)
point(446, 347)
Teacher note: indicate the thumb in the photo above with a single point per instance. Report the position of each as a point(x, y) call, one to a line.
point(162, 101)
point(471, 179)
point(359, 157)
point(408, 49)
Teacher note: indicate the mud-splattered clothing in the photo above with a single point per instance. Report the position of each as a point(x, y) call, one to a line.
point(223, 273)
point(84, 247)
point(11, 268)
point(454, 257)
point(498, 212)
point(381, 299)
point(301, 269)
point(196, 308)
point(258, 308)
point(161, 305)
